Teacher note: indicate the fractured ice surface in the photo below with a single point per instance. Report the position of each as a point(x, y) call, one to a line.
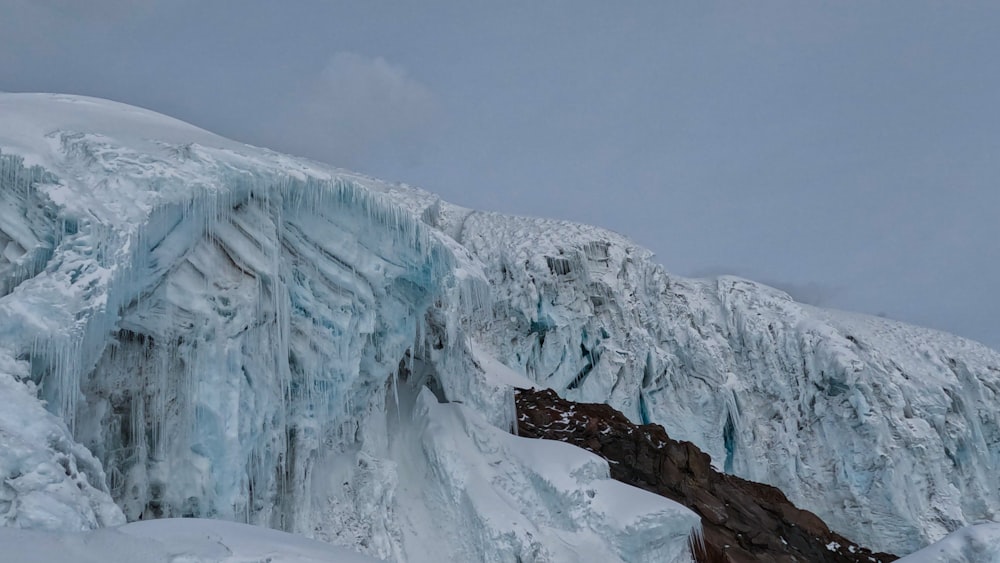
point(49, 481)
point(890, 432)
point(244, 335)
point(978, 543)
point(241, 335)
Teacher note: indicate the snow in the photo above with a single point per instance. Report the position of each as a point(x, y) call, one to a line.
point(218, 330)
point(240, 335)
point(889, 432)
point(973, 544)
point(172, 541)
point(497, 372)
point(529, 500)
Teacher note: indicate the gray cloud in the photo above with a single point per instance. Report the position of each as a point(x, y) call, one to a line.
point(358, 108)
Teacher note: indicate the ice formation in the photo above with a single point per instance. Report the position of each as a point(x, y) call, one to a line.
point(241, 335)
point(50, 482)
point(237, 334)
point(889, 432)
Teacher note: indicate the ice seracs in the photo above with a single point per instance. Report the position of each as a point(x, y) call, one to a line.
point(890, 432)
point(238, 334)
point(241, 335)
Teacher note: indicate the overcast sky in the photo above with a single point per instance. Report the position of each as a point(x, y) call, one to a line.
point(848, 152)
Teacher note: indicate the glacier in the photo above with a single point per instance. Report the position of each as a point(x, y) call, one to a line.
point(222, 331)
point(171, 540)
point(889, 432)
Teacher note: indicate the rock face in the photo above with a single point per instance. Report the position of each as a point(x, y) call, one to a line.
point(743, 521)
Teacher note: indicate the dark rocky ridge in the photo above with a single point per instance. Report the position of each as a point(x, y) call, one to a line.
point(743, 521)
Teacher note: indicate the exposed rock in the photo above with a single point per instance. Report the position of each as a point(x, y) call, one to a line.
point(743, 521)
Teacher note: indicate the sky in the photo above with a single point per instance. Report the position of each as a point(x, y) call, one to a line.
point(846, 152)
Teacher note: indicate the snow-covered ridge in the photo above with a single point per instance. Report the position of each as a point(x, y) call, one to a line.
point(242, 335)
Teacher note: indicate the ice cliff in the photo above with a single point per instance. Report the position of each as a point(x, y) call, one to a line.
point(236, 334)
point(223, 331)
point(890, 432)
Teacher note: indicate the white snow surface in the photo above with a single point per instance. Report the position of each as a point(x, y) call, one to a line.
point(50, 482)
point(236, 334)
point(244, 335)
point(172, 540)
point(978, 543)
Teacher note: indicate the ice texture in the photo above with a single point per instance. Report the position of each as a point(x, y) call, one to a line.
point(889, 432)
point(978, 543)
point(563, 508)
point(241, 335)
point(48, 481)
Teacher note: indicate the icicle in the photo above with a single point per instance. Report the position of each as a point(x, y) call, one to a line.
point(696, 541)
point(418, 345)
point(511, 403)
point(395, 394)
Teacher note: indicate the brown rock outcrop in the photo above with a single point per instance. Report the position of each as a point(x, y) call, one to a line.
point(743, 521)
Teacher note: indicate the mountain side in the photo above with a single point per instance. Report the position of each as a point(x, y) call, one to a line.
point(887, 431)
point(233, 333)
point(240, 335)
point(742, 521)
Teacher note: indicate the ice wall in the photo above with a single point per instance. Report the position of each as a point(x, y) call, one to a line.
point(48, 481)
point(207, 345)
point(889, 432)
point(564, 508)
point(241, 335)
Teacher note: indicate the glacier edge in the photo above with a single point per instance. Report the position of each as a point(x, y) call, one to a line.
point(232, 331)
point(194, 307)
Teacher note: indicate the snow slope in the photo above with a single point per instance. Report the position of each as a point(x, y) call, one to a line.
point(241, 335)
point(171, 540)
point(973, 544)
